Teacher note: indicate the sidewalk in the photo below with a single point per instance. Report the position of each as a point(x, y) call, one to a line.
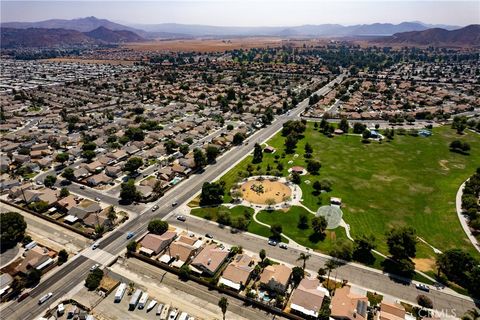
point(463, 219)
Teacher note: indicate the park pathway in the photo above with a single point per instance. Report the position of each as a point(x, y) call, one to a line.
point(463, 219)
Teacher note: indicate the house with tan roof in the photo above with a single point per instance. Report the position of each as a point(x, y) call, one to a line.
point(210, 259)
point(154, 243)
point(276, 277)
point(181, 251)
point(307, 298)
point(391, 311)
point(348, 305)
point(237, 273)
point(36, 258)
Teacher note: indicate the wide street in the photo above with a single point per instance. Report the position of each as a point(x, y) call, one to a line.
point(113, 243)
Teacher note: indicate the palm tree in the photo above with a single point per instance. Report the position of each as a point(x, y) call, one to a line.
point(304, 257)
point(472, 314)
point(330, 265)
point(223, 304)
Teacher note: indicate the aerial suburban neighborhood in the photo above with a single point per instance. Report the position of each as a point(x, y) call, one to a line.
point(286, 171)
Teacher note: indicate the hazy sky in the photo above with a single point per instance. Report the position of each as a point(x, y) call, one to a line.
point(248, 12)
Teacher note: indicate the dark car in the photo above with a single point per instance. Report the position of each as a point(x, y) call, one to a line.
point(209, 236)
point(130, 235)
point(23, 296)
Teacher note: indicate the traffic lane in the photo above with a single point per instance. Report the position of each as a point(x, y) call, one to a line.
point(59, 284)
point(374, 280)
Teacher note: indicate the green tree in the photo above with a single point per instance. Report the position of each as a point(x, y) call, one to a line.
point(291, 143)
point(295, 178)
point(199, 158)
point(184, 272)
point(49, 181)
point(472, 314)
point(61, 157)
point(303, 221)
point(308, 148)
point(33, 277)
point(362, 249)
point(343, 125)
point(68, 174)
point(157, 226)
point(93, 279)
point(342, 250)
point(64, 192)
point(238, 138)
point(12, 229)
point(128, 192)
point(133, 164)
point(212, 193)
point(304, 258)
point(319, 225)
point(424, 301)
point(297, 275)
point(262, 254)
point(330, 265)
point(402, 242)
point(62, 256)
point(132, 246)
point(88, 154)
point(257, 154)
point(313, 166)
point(223, 304)
point(212, 153)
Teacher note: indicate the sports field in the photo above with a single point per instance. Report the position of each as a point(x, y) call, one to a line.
point(409, 181)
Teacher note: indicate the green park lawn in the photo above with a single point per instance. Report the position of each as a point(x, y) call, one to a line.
point(408, 181)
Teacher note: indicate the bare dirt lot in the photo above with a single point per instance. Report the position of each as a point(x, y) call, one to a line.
point(261, 191)
point(215, 45)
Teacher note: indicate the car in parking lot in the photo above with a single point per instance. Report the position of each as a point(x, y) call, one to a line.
point(95, 266)
point(130, 235)
point(272, 242)
point(283, 246)
point(181, 218)
point(155, 207)
point(423, 287)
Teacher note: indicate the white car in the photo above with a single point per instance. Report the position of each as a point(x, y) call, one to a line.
point(95, 245)
point(283, 246)
point(95, 266)
point(98, 199)
point(155, 207)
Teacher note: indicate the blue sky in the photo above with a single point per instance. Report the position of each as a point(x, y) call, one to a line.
point(248, 12)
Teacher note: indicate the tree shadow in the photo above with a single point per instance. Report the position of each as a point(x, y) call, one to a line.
point(394, 272)
point(317, 237)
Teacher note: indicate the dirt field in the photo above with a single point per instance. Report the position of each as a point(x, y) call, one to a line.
point(252, 191)
point(214, 45)
point(93, 61)
point(424, 264)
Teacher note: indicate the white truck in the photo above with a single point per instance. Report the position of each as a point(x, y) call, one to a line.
point(45, 298)
point(134, 299)
point(143, 300)
point(183, 316)
point(120, 292)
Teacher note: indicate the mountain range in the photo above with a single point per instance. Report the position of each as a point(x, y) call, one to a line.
point(174, 30)
point(90, 30)
point(43, 37)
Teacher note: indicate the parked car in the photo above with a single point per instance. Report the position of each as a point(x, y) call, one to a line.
point(95, 245)
point(209, 236)
point(23, 296)
point(174, 204)
point(95, 266)
point(423, 287)
point(130, 235)
point(82, 187)
point(272, 242)
point(182, 218)
point(155, 207)
point(97, 199)
point(283, 246)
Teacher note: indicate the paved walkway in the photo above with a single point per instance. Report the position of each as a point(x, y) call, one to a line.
point(463, 219)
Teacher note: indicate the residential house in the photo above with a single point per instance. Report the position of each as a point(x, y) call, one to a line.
point(237, 273)
point(391, 311)
point(348, 305)
point(153, 244)
point(113, 171)
point(307, 298)
point(181, 251)
point(36, 258)
point(100, 178)
point(210, 259)
point(276, 277)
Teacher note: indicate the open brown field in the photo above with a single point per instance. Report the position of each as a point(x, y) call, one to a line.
point(270, 190)
point(215, 45)
point(94, 61)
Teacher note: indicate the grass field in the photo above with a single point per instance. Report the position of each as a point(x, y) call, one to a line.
point(235, 212)
point(409, 181)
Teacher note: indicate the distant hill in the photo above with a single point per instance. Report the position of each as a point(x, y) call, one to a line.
point(81, 24)
point(175, 30)
point(44, 38)
point(467, 36)
point(110, 36)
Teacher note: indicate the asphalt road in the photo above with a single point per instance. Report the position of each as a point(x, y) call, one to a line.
point(73, 273)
